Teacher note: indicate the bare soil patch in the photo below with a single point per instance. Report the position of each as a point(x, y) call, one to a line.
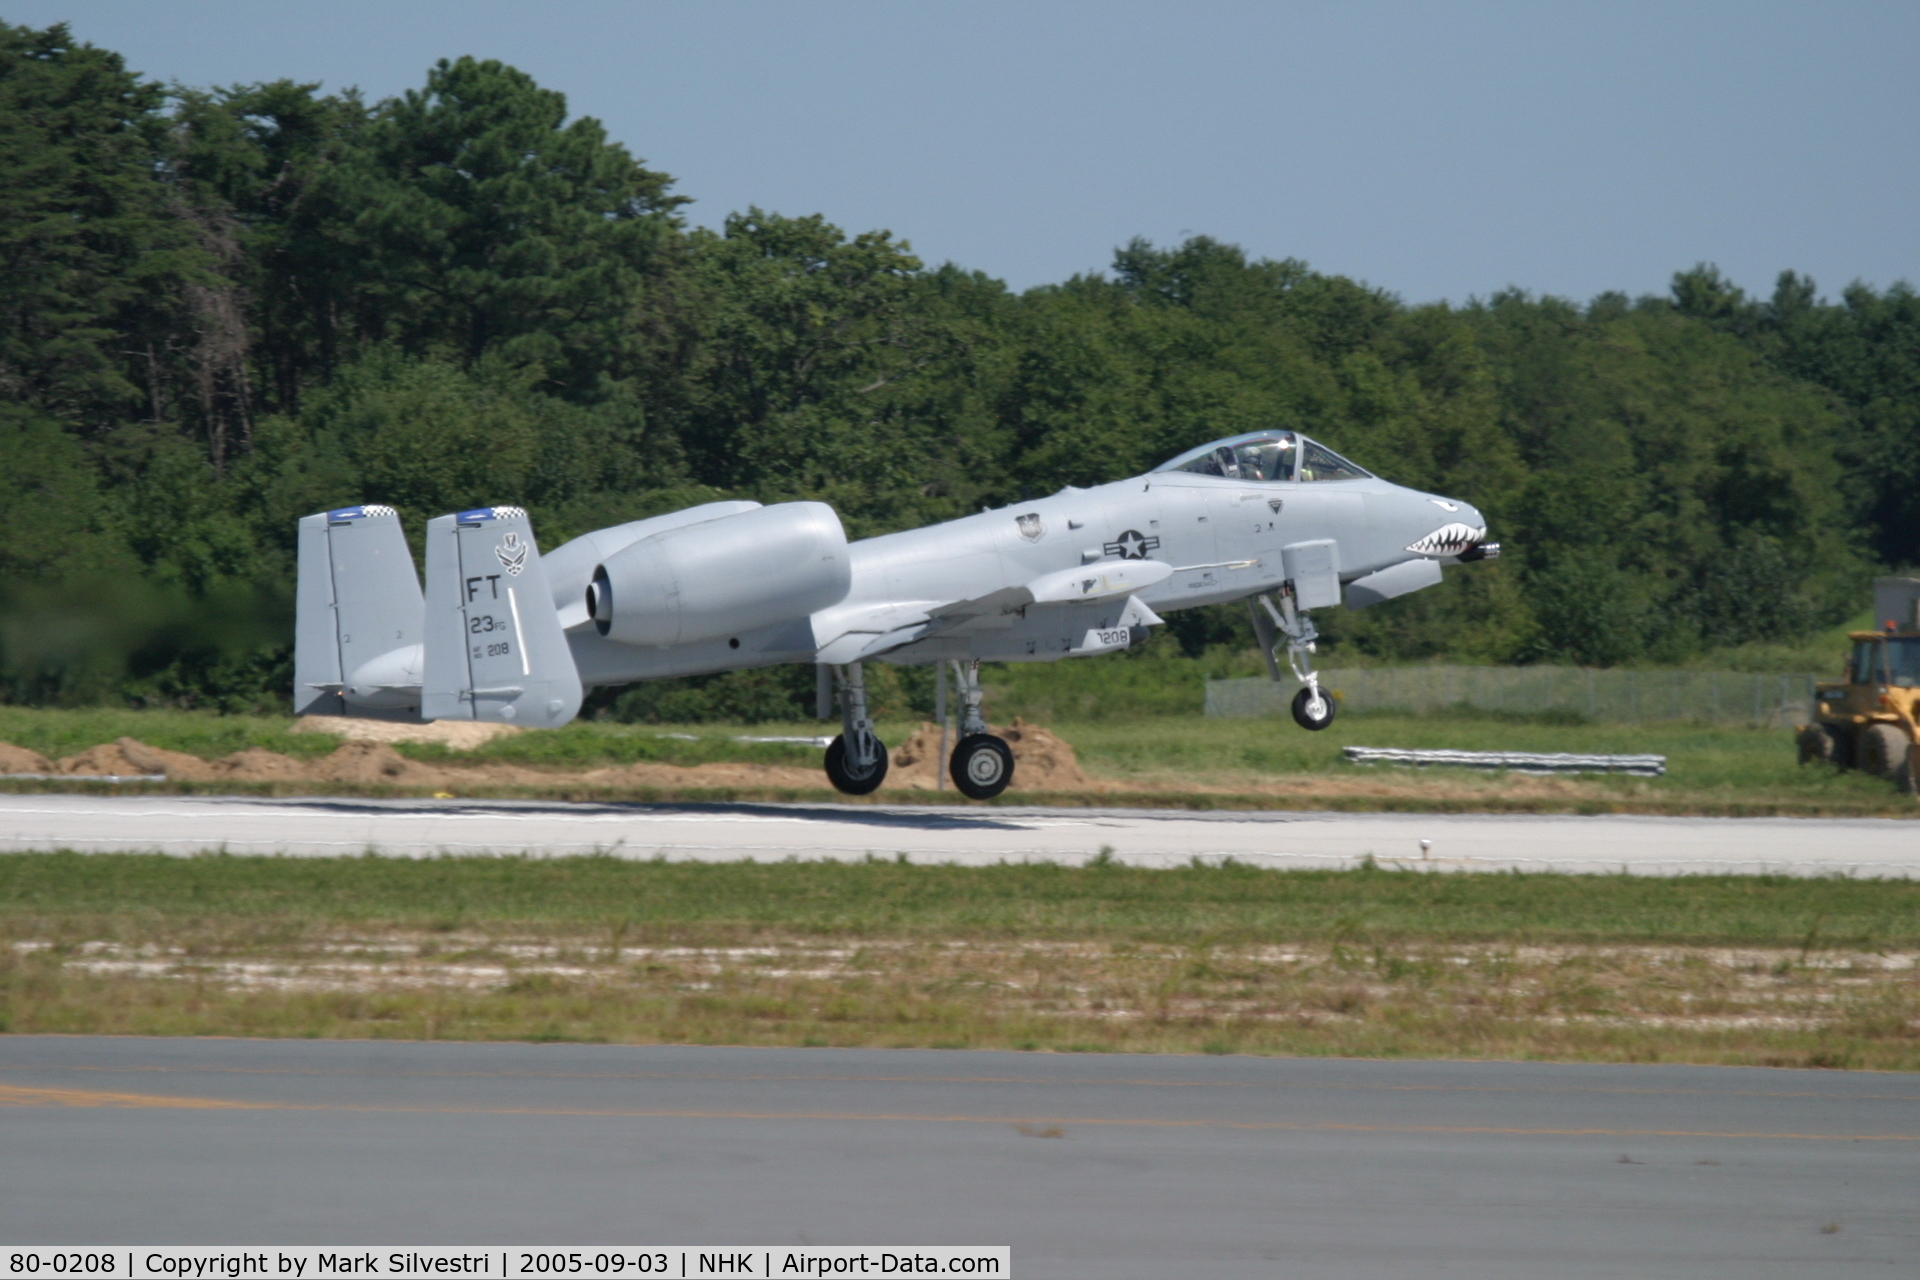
point(1043, 762)
point(20, 760)
point(1047, 768)
point(1773, 1006)
point(456, 735)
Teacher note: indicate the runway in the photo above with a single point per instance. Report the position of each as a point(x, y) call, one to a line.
point(333, 826)
point(1088, 1166)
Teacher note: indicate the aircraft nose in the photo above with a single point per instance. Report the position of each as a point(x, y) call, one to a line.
point(1486, 548)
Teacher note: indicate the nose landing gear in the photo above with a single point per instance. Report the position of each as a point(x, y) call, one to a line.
point(1312, 708)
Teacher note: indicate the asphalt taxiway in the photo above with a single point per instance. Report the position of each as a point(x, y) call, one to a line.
point(334, 826)
point(1095, 1166)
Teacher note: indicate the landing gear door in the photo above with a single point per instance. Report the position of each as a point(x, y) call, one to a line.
point(1314, 570)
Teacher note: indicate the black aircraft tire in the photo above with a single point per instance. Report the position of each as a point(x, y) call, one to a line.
point(844, 779)
point(1303, 714)
point(982, 766)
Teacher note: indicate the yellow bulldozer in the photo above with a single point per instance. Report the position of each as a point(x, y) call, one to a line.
point(1870, 719)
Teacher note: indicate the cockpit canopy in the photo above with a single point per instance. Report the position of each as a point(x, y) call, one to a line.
point(1266, 455)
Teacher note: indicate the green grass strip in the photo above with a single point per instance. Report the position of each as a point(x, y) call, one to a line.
point(1231, 905)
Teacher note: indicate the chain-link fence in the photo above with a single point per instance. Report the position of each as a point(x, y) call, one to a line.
point(1714, 697)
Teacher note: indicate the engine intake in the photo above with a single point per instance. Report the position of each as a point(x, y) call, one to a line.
point(721, 577)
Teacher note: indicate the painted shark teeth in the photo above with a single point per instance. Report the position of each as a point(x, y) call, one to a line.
point(1449, 540)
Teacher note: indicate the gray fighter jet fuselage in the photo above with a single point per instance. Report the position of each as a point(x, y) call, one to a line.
point(1271, 517)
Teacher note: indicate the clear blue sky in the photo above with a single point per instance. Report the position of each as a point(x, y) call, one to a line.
point(1438, 150)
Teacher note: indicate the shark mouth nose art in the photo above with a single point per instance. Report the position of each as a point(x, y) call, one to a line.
point(1449, 540)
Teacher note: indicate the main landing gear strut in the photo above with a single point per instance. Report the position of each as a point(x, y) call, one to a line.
point(981, 765)
point(857, 759)
point(1284, 623)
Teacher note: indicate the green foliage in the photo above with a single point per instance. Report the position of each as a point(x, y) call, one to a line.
point(490, 223)
point(92, 259)
point(762, 695)
point(759, 696)
point(222, 309)
point(53, 519)
point(1159, 680)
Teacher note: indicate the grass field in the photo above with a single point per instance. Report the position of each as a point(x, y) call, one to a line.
point(1101, 957)
point(1711, 766)
point(1159, 760)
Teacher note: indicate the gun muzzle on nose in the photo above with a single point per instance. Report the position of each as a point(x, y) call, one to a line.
point(1480, 551)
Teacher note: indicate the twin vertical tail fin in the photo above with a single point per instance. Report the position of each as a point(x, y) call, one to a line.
point(494, 647)
point(358, 617)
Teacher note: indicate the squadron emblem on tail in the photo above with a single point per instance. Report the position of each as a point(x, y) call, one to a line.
point(512, 554)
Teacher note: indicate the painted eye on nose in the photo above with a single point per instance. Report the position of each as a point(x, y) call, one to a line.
point(1444, 505)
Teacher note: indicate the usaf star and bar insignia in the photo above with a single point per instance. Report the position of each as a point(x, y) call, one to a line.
point(1132, 545)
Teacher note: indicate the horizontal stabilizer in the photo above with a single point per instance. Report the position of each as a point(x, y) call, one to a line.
point(494, 645)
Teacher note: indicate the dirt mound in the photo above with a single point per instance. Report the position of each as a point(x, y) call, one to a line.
point(177, 765)
point(20, 760)
point(1041, 761)
point(105, 760)
point(720, 774)
point(374, 762)
point(257, 764)
point(915, 763)
point(457, 735)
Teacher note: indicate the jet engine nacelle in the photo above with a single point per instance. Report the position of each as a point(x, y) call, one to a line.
point(721, 577)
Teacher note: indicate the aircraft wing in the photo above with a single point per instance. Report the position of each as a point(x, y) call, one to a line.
point(856, 633)
point(853, 633)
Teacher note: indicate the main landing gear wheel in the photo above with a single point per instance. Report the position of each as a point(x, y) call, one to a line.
point(982, 766)
point(846, 778)
point(1312, 708)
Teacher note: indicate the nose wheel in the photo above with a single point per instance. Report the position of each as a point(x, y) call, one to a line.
point(1312, 708)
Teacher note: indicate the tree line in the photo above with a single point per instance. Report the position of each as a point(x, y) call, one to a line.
point(221, 309)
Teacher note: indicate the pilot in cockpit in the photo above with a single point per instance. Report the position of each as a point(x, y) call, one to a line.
point(1263, 456)
point(1267, 455)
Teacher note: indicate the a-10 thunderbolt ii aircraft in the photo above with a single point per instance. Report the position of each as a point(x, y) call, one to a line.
point(506, 634)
